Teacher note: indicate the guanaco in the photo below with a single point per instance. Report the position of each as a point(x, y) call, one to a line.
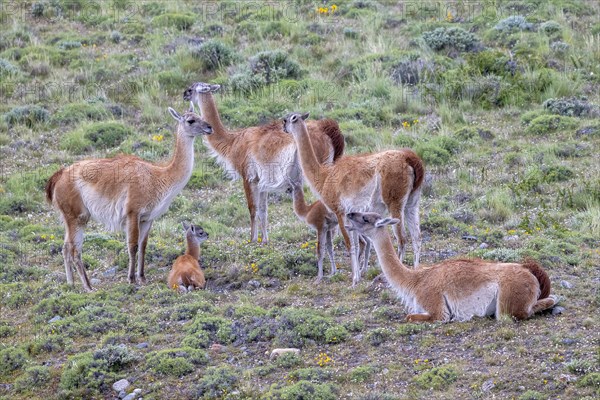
point(389, 181)
point(186, 274)
point(124, 193)
point(457, 289)
point(263, 156)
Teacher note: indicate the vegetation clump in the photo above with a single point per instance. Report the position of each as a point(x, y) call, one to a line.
point(437, 378)
point(176, 362)
point(27, 115)
point(514, 23)
point(214, 54)
point(451, 39)
point(571, 107)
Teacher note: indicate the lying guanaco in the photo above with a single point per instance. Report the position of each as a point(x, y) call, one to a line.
point(186, 274)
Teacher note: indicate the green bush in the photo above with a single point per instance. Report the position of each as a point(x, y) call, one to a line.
point(545, 124)
point(362, 373)
point(27, 115)
point(312, 374)
point(432, 154)
point(214, 55)
point(449, 39)
point(206, 329)
point(34, 377)
point(557, 173)
point(11, 358)
point(378, 336)
point(83, 373)
point(176, 362)
point(550, 27)
point(273, 66)
point(174, 20)
point(7, 69)
point(217, 382)
point(78, 112)
point(590, 380)
point(532, 395)
point(63, 305)
point(336, 334)
point(245, 82)
point(437, 378)
point(288, 360)
point(571, 106)
point(513, 23)
point(106, 134)
point(303, 390)
point(116, 357)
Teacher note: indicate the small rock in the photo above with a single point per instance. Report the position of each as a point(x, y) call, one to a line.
point(137, 391)
point(512, 238)
point(122, 394)
point(385, 371)
point(278, 352)
point(568, 341)
point(488, 385)
point(110, 272)
point(254, 284)
point(469, 237)
point(142, 345)
point(130, 396)
point(566, 284)
point(95, 281)
point(118, 386)
point(484, 245)
point(557, 310)
point(54, 319)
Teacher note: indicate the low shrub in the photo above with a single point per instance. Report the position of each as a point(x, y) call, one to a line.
point(571, 107)
point(288, 360)
point(176, 362)
point(7, 69)
point(550, 27)
point(217, 382)
point(451, 39)
point(76, 112)
point(27, 115)
point(34, 377)
point(378, 336)
point(214, 55)
point(174, 20)
point(513, 23)
point(437, 378)
point(106, 134)
point(336, 334)
point(545, 124)
point(303, 390)
point(274, 65)
point(11, 358)
point(206, 329)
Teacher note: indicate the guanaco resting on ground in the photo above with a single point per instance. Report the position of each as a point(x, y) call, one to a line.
point(457, 289)
point(124, 193)
point(186, 274)
point(389, 181)
point(263, 156)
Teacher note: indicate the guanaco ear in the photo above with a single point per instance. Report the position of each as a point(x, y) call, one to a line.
point(192, 110)
point(214, 88)
point(304, 116)
point(185, 226)
point(386, 221)
point(175, 115)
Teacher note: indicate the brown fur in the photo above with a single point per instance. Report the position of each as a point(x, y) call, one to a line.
point(317, 216)
point(340, 185)
point(255, 153)
point(332, 129)
point(461, 288)
point(536, 269)
point(125, 193)
point(186, 273)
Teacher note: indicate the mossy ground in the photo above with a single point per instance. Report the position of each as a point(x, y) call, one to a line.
point(507, 169)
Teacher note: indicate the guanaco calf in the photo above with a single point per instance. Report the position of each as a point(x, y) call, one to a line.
point(317, 216)
point(457, 289)
point(124, 193)
point(186, 274)
point(387, 182)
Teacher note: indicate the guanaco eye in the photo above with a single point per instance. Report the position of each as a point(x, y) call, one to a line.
point(191, 121)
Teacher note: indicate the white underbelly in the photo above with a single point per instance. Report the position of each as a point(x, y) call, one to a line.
point(480, 303)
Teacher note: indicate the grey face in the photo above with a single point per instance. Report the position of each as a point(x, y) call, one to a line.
point(199, 87)
point(198, 233)
point(291, 119)
point(195, 125)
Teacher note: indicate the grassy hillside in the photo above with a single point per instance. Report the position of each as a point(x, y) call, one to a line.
point(499, 98)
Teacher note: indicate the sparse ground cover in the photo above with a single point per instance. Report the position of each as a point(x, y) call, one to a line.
point(500, 99)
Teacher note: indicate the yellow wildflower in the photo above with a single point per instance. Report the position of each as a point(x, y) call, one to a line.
point(333, 8)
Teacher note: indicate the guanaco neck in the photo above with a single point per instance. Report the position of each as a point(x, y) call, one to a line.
point(314, 171)
point(396, 272)
point(220, 137)
point(181, 165)
point(300, 207)
point(193, 247)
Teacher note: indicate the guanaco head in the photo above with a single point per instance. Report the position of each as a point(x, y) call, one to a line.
point(191, 93)
point(368, 223)
point(190, 123)
point(291, 120)
point(195, 232)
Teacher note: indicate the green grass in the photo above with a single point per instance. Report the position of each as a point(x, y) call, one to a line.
point(503, 110)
